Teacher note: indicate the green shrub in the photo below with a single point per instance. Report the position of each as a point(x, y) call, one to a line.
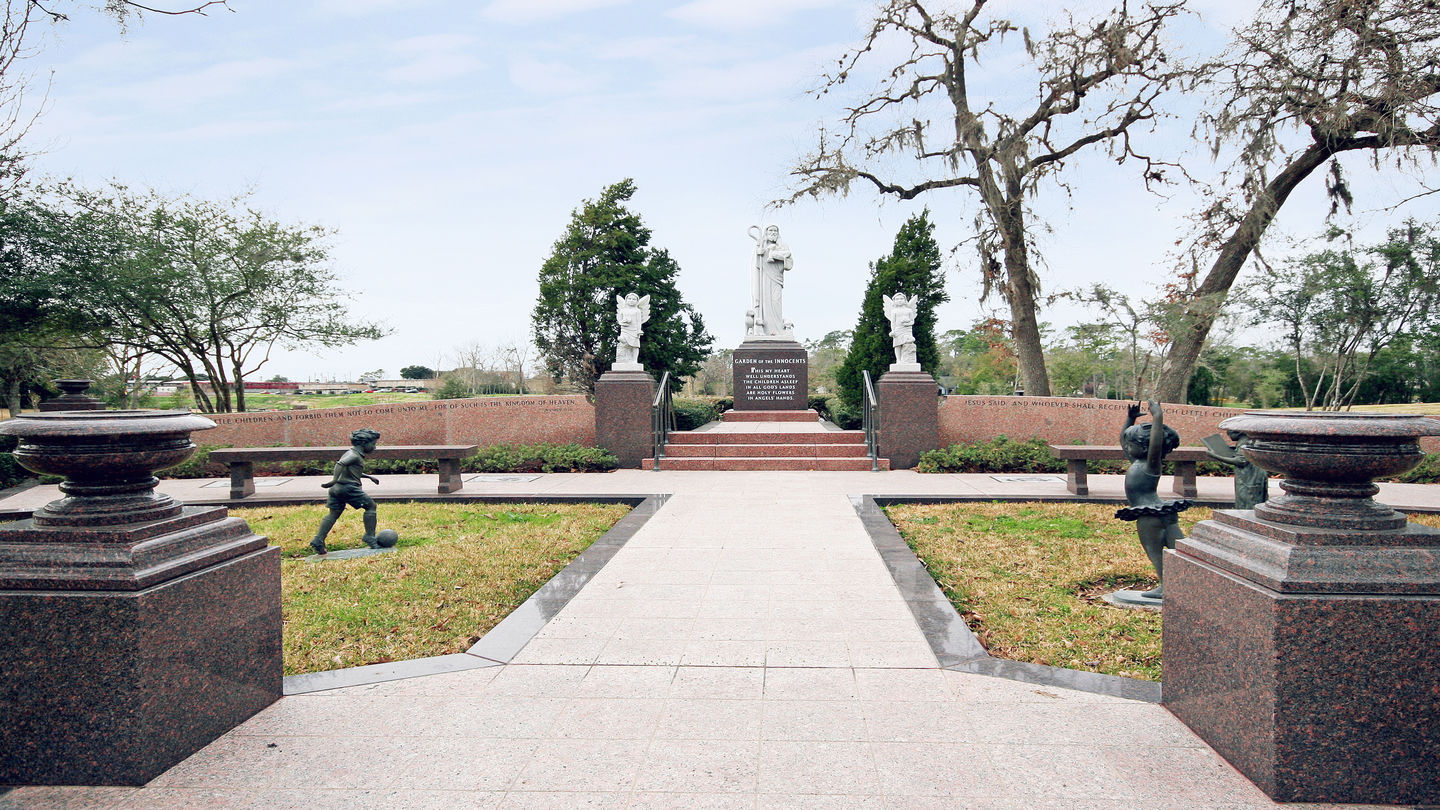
point(1426, 472)
point(500, 458)
point(844, 416)
point(692, 412)
point(725, 403)
point(197, 466)
point(999, 455)
point(819, 403)
point(511, 458)
point(11, 473)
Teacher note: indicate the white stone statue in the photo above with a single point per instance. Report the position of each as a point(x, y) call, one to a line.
point(772, 258)
point(901, 312)
point(630, 311)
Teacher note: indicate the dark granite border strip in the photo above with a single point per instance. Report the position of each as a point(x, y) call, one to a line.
point(954, 645)
point(513, 632)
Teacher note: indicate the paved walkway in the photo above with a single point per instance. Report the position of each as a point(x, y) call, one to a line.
point(746, 648)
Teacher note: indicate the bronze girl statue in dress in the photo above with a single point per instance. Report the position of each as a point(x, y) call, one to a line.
point(1155, 520)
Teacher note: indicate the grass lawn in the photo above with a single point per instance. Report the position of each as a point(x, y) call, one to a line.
point(1028, 578)
point(459, 570)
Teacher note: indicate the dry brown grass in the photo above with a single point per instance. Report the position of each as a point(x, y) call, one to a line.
point(459, 570)
point(1028, 578)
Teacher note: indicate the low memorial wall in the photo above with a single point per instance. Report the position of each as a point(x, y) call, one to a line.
point(483, 421)
point(1063, 420)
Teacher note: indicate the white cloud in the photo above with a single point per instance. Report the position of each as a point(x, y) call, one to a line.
point(736, 14)
point(433, 58)
point(528, 11)
point(553, 78)
point(361, 8)
point(216, 81)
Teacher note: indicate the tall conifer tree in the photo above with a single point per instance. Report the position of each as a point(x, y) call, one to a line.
point(605, 251)
point(913, 267)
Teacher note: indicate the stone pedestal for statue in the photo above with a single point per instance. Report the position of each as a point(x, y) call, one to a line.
point(137, 630)
point(72, 398)
point(909, 414)
point(1301, 637)
point(623, 404)
point(771, 374)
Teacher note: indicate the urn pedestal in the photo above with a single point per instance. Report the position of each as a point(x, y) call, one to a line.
point(1300, 637)
point(623, 402)
point(72, 398)
point(137, 629)
point(909, 415)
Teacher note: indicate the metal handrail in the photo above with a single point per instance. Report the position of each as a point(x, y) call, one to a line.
point(871, 420)
point(662, 420)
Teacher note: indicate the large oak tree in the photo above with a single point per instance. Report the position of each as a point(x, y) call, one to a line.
point(1096, 81)
point(1305, 82)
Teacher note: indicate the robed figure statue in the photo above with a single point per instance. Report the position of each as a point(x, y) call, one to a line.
point(772, 260)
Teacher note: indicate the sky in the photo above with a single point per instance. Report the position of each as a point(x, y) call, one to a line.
point(447, 142)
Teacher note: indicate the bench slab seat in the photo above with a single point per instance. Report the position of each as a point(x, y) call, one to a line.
point(242, 460)
point(1077, 472)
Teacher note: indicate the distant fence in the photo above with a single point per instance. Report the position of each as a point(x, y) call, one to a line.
point(482, 420)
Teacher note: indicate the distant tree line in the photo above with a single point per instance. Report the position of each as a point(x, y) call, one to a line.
point(127, 280)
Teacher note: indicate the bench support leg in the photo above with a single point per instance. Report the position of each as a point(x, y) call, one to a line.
point(242, 479)
point(450, 480)
point(1077, 478)
point(1185, 479)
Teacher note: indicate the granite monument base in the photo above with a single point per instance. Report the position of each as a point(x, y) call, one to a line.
point(623, 404)
point(771, 375)
point(1314, 697)
point(909, 416)
point(114, 687)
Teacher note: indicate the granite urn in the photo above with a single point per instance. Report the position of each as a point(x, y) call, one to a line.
point(1300, 636)
point(138, 629)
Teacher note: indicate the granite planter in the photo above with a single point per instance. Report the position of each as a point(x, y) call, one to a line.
point(1300, 637)
point(138, 629)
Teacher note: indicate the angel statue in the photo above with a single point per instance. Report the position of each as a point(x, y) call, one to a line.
point(631, 311)
point(772, 260)
point(901, 312)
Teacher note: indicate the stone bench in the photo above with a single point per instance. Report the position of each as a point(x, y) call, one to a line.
point(241, 461)
point(1076, 457)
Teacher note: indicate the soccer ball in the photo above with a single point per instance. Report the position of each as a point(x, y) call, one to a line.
point(387, 538)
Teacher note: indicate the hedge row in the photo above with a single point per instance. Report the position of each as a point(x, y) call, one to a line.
point(499, 458)
point(1005, 455)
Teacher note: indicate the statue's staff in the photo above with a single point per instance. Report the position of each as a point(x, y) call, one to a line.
point(758, 234)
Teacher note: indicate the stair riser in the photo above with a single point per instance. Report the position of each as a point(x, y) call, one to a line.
point(769, 416)
point(765, 450)
point(828, 437)
point(764, 464)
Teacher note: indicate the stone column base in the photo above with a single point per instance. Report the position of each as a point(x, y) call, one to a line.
point(1310, 663)
point(623, 402)
point(909, 416)
point(115, 687)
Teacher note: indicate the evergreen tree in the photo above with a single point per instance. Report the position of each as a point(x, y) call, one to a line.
point(605, 251)
point(913, 267)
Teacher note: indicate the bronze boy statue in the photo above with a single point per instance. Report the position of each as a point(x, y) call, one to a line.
point(345, 489)
point(1155, 519)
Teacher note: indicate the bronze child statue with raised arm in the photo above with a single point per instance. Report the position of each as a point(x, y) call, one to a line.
point(1155, 520)
point(345, 489)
